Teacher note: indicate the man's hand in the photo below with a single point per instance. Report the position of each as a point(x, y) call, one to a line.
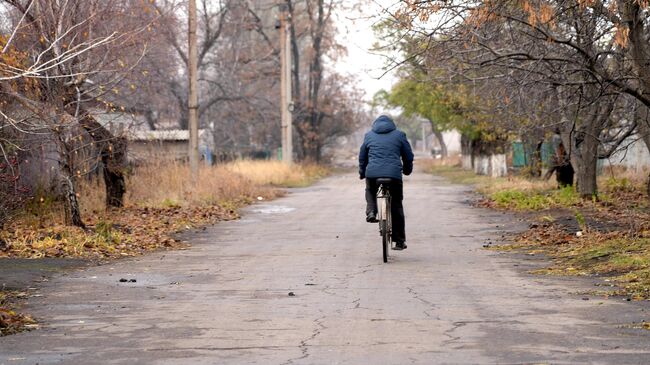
point(361, 177)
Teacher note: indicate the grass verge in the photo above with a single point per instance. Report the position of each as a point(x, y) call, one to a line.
point(608, 237)
point(622, 259)
point(449, 168)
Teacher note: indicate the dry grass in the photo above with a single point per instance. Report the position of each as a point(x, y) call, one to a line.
point(623, 258)
point(519, 183)
point(169, 184)
point(431, 164)
point(160, 200)
point(277, 173)
point(635, 177)
point(525, 193)
point(450, 169)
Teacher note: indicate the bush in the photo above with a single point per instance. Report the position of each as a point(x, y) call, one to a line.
point(535, 199)
point(13, 196)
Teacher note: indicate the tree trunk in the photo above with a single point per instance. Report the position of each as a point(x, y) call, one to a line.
point(113, 155)
point(536, 160)
point(68, 186)
point(466, 152)
point(441, 140)
point(114, 167)
point(584, 156)
point(311, 144)
point(586, 179)
point(312, 138)
point(150, 118)
point(295, 54)
point(633, 14)
point(184, 119)
point(644, 131)
point(582, 137)
point(72, 210)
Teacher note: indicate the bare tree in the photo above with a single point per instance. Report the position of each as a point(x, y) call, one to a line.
point(79, 54)
point(312, 34)
point(577, 52)
point(239, 71)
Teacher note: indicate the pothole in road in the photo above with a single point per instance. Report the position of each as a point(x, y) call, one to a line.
point(272, 209)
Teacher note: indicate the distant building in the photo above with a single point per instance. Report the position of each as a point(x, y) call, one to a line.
point(121, 124)
point(452, 141)
point(148, 145)
point(632, 154)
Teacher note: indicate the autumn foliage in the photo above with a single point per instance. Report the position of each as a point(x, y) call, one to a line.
point(576, 69)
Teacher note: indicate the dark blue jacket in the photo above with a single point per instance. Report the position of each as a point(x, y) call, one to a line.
point(384, 150)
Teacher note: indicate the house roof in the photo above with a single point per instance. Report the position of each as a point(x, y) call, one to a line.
point(135, 127)
point(120, 123)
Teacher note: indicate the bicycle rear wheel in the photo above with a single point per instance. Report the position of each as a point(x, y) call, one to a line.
point(385, 239)
point(389, 223)
point(383, 225)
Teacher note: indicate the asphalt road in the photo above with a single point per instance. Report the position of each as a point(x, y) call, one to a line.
point(445, 300)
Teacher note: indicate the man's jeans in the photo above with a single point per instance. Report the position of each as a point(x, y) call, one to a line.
point(397, 210)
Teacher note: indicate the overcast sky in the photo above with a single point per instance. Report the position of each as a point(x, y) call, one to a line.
point(355, 32)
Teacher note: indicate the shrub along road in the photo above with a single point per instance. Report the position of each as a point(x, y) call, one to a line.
point(300, 280)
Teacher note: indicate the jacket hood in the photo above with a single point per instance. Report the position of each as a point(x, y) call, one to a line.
point(383, 124)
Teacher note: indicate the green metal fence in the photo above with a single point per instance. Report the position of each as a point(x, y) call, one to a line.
point(521, 156)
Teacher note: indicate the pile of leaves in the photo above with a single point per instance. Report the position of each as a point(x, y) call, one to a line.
point(622, 258)
point(124, 232)
point(609, 237)
point(10, 321)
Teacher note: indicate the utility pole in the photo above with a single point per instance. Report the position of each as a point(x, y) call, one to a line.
point(285, 86)
point(193, 100)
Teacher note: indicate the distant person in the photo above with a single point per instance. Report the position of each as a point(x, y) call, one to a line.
point(560, 162)
point(386, 153)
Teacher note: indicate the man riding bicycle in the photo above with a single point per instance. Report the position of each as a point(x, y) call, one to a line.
point(386, 153)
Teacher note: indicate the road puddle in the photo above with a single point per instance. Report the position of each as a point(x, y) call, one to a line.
point(272, 209)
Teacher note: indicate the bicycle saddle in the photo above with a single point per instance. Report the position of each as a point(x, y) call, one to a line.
point(384, 181)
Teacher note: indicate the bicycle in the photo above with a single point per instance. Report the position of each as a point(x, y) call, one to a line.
point(384, 216)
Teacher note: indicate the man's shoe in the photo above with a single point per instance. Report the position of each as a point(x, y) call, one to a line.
point(399, 246)
point(371, 218)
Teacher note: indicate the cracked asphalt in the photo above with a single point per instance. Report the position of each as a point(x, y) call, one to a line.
point(445, 300)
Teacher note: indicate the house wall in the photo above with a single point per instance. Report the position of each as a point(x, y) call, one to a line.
point(39, 167)
point(451, 138)
point(491, 165)
point(635, 156)
point(155, 150)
